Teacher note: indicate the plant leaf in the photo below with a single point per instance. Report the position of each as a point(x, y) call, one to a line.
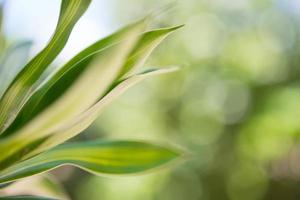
point(53, 88)
point(84, 120)
point(84, 92)
point(147, 43)
point(12, 62)
point(24, 84)
point(116, 157)
point(18, 147)
point(61, 80)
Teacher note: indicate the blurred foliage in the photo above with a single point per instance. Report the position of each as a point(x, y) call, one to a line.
point(234, 106)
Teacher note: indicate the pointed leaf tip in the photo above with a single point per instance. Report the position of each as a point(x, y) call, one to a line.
point(98, 157)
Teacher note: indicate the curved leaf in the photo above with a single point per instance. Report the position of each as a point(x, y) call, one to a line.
point(62, 80)
point(98, 157)
point(84, 92)
point(84, 120)
point(147, 43)
point(21, 147)
point(24, 84)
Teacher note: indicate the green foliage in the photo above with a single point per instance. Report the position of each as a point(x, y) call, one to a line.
point(119, 157)
point(39, 111)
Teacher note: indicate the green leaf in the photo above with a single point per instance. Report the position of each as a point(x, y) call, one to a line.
point(61, 81)
point(84, 92)
point(20, 146)
point(84, 120)
point(12, 62)
point(147, 43)
point(25, 197)
point(24, 84)
point(98, 157)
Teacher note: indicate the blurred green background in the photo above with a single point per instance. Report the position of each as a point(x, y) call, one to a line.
point(234, 106)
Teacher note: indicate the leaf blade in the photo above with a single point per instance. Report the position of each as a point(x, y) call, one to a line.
point(54, 87)
point(61, 80)
point(24, 84)
point(147, 43)
point(114, 158)
point(94, 81)
point(86, 119)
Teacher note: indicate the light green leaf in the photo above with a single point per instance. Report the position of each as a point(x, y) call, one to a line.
point(98, 157)
point(84, 120)
point(55, 87)
point(12, 62)
point(16, 144)
point(60, 82)
point(84, 92)
point(147, 43)
point(24, 84)
point(21, 146)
